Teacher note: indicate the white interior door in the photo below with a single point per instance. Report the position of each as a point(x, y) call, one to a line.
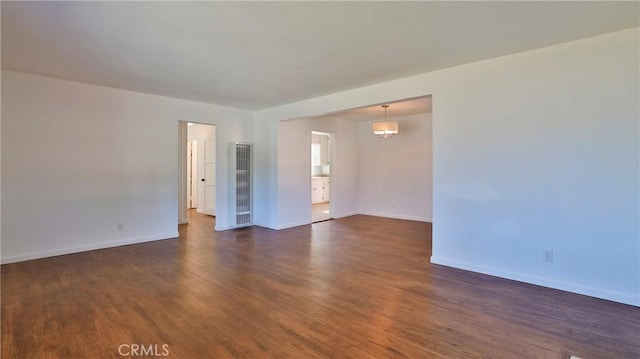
point(207, 203)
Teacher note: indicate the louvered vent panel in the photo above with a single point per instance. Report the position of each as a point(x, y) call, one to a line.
point(241, 170)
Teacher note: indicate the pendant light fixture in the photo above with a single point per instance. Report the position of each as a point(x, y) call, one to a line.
point(385, 129)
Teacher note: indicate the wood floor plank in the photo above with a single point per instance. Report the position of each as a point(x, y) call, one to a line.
point(358, 287)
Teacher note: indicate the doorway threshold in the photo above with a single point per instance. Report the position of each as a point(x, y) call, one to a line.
point(322, 220)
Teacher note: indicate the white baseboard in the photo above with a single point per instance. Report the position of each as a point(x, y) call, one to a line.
point(90, 247)
point(345, 214)
point(290, 225)
point(272, 226)
point(396, 216)
point(549, 283)
point(222, 228)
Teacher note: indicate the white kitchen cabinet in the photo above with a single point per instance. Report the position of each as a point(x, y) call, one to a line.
point(320, 189)
point(316, 190)
point(326, 183)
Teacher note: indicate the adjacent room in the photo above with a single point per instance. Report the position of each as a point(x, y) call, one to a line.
point(201, 169)
point(320, 176)
point(385, 175)
point(320, 179)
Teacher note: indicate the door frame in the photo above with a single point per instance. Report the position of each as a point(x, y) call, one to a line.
point(332, 159)
point(183, 201)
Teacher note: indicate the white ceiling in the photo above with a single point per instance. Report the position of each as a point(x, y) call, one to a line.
point(407, 107)
point(255, 55)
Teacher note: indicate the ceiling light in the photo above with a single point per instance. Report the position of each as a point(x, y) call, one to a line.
point(385, 129)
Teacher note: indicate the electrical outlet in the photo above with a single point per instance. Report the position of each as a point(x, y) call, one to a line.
point(547, 255)
point(120, 227)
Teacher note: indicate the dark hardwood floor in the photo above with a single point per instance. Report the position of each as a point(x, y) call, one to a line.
point(358, 287)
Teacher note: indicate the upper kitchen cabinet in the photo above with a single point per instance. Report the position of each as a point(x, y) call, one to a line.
point(321, 142)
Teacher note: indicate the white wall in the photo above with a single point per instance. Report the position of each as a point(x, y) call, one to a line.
point(343, 159)
point(294, 164)
point(395, 178)
point(294, 177)
point(265, 164)
point(77, 159)
point(532, 151)
point(540, 151)
point(344, 167)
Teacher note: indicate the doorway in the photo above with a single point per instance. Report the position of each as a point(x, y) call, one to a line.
point(320, 176)
point(198, 180)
